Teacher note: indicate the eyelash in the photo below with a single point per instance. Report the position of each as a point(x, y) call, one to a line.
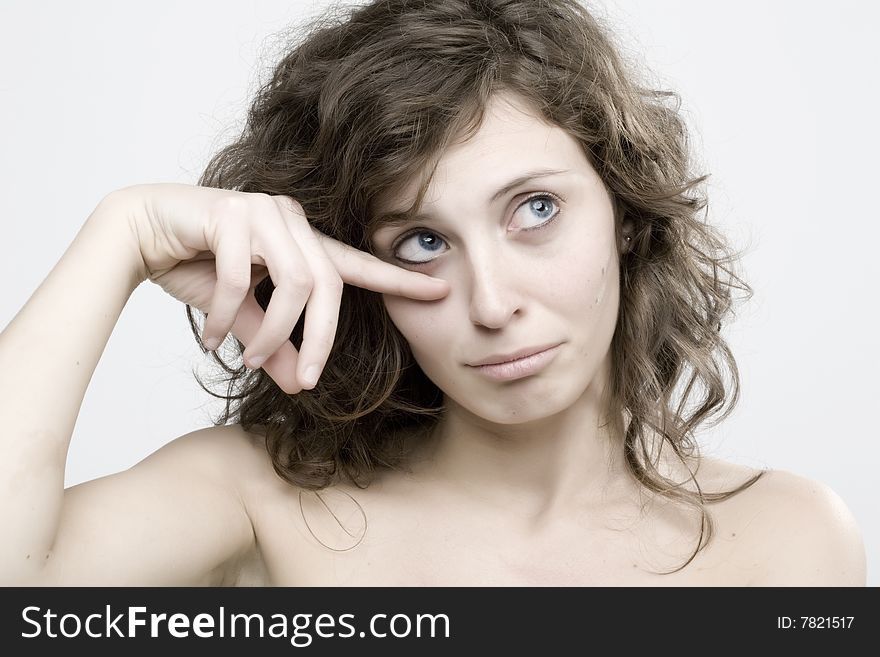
point(558, 200)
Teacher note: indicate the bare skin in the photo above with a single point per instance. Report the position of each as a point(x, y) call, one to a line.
point(422, 532)
point(208, 508)
point(206, 247)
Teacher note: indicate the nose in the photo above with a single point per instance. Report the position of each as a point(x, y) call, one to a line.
point(495, 296)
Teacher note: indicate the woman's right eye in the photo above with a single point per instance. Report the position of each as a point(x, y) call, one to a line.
point(410, 248)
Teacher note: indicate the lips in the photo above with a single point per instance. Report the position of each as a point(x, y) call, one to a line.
point(496, 359)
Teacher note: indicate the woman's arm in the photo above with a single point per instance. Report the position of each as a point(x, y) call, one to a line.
point(178, 516)
point(48, 354)
point(128, 524)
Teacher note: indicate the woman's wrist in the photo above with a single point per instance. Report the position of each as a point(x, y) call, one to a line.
point(114, 220)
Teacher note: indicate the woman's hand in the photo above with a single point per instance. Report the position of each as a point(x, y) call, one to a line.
point(210, 247)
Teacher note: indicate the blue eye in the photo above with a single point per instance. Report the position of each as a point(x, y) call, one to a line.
point(428, 242)
point(532, 203)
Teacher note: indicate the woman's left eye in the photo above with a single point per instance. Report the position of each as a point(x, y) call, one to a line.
point(540, 205)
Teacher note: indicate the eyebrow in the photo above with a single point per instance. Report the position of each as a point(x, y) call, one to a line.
point(403, 218)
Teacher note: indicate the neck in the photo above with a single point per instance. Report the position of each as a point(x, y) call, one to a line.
point(536, 469)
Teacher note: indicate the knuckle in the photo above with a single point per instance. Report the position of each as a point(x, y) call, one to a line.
point(264, 203)
point(334, 283)
point(289, 203)
point(237, 280)
point(230, 205)
point(300, 278)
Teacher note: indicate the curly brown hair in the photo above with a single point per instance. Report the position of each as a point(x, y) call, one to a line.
point(365, 100)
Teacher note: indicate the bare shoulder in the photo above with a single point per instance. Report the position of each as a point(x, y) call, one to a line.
point(801, 533)
point(222, 454)
point(232, 446)
point(235, 456)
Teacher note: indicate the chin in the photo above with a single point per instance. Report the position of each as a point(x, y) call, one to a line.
point(515, 406)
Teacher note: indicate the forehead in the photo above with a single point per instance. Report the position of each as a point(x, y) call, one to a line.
point(512, 139)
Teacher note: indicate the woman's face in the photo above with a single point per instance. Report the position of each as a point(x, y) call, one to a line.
point(533, 266)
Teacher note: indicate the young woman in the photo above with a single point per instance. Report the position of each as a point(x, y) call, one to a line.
point(458, 250)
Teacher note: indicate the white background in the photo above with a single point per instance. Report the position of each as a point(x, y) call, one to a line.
point(782, 97)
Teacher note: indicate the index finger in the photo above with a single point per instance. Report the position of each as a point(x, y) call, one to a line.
point(365, 270)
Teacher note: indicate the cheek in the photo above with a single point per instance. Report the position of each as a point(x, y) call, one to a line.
point(604, 283)
point(581, 281)
point(428, 330)
point(418, 322)
point(602, 296)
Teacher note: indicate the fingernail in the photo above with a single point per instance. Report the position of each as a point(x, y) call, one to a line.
point(255, 361)
point(211, 343)
point(311, 375)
